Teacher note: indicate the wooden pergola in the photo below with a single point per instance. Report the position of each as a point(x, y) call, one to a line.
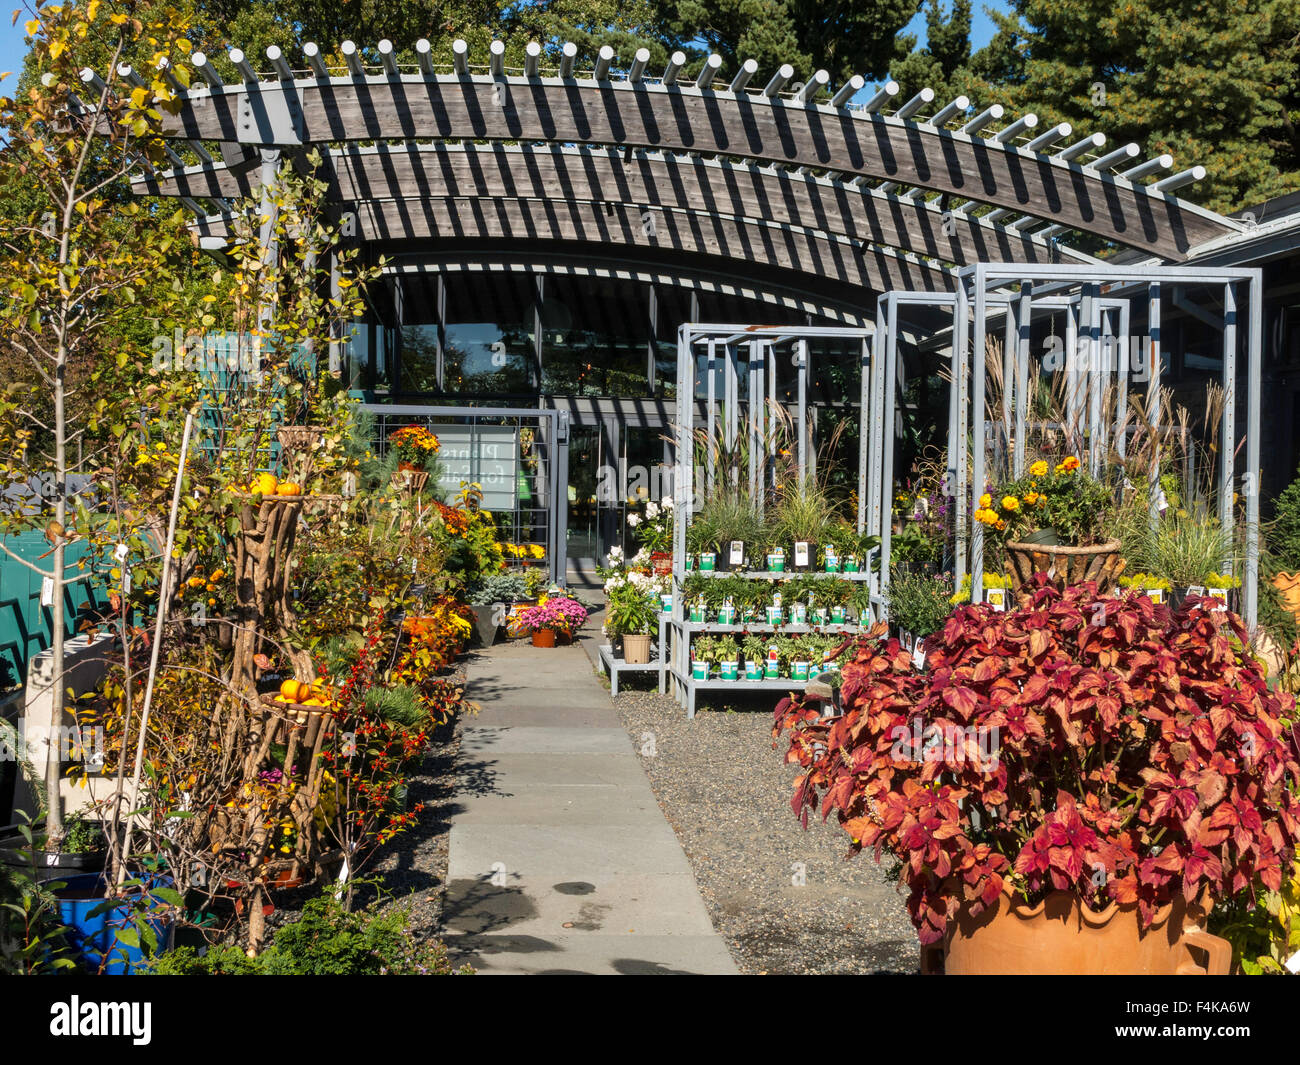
point(875, 195)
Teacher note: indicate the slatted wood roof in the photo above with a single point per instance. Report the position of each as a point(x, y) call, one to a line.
point(873, 195)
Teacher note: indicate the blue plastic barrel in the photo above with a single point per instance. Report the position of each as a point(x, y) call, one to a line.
point(92, 937)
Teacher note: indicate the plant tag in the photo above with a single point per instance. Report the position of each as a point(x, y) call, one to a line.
point(736, 553)
point(1156, 595)
point(121, 551)
point(1195, 589)
point(47, 591)
point(126, 582)
point(801, 552)
point(918, 654)
point(776, 600)
point(1221, 594)
point(996, 598)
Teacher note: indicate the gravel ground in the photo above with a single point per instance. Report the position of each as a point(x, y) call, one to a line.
point(726, 793)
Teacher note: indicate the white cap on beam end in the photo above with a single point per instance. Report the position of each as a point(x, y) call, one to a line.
point(1021, 125)
point(1121, 154)
point(277, 60)
point(424, 55)
point(951, 110)
point(1050, 136)
point(352, 58)
point(388, 57)
point(532, 56)
point(460, 55)
point(920, 100)
point(241, 64)
point(568, 53)
point(206, 70)
point(639, 63)
point(1151, 166)
point(747, 70)
point(813, 86)
point(164, 67)
point(497, 58)
point(848, 90)
point(883, 95)
point(709, 71)
point(1091, 143)
point(779, 80)
point(990, 114)
point(89, 77)
point(311, 51)
point(604, 60)
point(127, 73)
point(675, 63)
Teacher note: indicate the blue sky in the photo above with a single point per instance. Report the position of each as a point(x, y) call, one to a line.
point(12, 48)
point(981, 28)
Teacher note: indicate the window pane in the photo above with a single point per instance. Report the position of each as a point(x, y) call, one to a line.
point(595, 333)
point(489, 335)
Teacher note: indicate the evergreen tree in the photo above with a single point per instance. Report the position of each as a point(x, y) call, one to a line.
point(1210, 83)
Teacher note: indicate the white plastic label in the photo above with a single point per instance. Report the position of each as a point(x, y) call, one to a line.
point(47, 591)
point(801, 553)
point(737, 552)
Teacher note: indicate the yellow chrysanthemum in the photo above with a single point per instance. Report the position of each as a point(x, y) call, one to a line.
point(1038, 469)
point(1010, 503)
point(986, 500)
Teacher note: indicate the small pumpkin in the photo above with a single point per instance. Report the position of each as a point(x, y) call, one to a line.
point(288, 488)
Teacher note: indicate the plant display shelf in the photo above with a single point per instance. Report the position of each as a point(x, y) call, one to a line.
point(785, 575)
point(788, 629)
point(611, 665)
point(688, 686)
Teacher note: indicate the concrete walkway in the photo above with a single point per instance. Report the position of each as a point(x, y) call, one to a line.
point(560, 858)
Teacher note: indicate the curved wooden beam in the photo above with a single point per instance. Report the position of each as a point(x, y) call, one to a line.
point(646, 179)
point(678, 118)
point(535, 223)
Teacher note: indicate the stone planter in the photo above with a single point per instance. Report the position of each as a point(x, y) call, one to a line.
point(1059, 936)
point(485, 625)
point(636, 649)
point(1067, 565)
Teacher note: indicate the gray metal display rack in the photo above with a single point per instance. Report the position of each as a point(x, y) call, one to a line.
point(1098, 303)
point(719, 348)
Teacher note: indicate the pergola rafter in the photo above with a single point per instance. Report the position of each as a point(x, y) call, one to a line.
point(671, 115)
point(746, 241)
point(646, 179)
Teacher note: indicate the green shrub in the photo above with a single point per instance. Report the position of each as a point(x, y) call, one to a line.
point(326, 940)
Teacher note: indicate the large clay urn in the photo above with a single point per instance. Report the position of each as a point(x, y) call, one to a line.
point(1067, 565)
point(1060, 937)
point(1289, 585)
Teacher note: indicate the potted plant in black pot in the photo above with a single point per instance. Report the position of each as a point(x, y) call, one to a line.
point(83, 849)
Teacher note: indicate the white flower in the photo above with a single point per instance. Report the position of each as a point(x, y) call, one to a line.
point(652, 510)
point(615, 556)
point(633, 520)
point(667, 503)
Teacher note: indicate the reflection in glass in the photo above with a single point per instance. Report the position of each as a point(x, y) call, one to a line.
point(594, 337)
point(489, 340)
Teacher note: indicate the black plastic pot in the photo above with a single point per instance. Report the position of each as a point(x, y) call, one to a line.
point(53, 865)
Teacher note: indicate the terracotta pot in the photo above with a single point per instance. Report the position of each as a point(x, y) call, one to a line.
point(1060, 937)
point(636, 649)
point(544, 638)
point(1067, 565)
point(1289, 585)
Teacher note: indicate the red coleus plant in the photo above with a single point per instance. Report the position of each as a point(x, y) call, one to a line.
point(1105, 746)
